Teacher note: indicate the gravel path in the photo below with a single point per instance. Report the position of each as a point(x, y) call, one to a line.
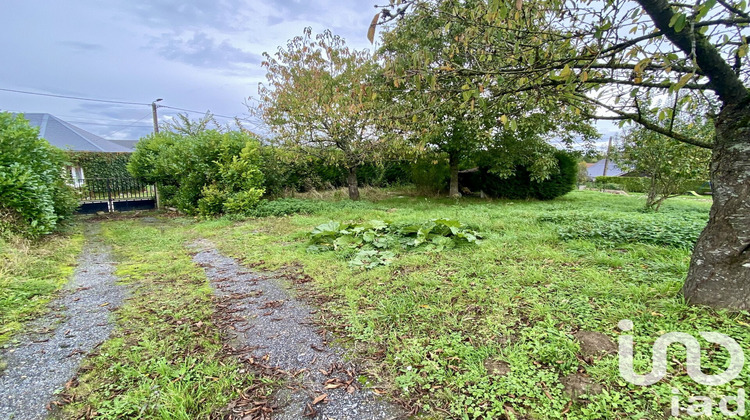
point(49, 353)
point(277, 330)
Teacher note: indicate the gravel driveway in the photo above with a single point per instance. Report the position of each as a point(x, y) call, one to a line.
point(266, 318)
point(48, 354)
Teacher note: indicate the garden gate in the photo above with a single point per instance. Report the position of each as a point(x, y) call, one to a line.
point(114, 194)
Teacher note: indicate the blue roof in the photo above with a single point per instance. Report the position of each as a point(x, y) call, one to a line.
point(597, 169)
point(66, 136)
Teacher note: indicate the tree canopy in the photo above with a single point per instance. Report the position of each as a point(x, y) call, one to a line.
point(611, 60)
point(319, 96)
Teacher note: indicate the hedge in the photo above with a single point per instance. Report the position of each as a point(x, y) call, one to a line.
point(101, 165)
point(520, 185)
point(641, 184)
point(627, 183)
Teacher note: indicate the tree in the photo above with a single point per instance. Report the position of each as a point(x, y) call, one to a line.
point(444, 110)
point(319, 97)
point(669, 164)
point(617, 56)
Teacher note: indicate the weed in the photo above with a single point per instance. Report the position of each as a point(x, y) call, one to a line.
point(431, 319)
point(31, 273)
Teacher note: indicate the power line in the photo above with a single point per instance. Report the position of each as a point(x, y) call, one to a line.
point(196, 112)
point(74, 97)
point(123, 129)
point(110, 101)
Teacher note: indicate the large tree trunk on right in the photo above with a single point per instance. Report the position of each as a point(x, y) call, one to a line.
point(453, 163)
point(719, 274)
point(352, 183)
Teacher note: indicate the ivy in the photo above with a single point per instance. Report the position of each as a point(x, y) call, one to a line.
point(101, 164)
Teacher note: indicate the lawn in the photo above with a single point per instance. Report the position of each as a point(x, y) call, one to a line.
point(30, 274)
point(433, 322)
point(473, 331)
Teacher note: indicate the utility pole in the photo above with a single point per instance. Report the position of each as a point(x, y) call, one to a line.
point(156, 131)
point(606, 158)
point(153, 112)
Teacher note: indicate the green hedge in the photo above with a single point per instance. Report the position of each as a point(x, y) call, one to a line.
point(520, 185)
point(641, 184)
point(101, 165)
point(289, 171)
point(627, 183)
point(34, 196)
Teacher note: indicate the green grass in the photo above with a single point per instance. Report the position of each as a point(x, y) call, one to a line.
point(165, 359)
point(544, 270)
point(30, 274)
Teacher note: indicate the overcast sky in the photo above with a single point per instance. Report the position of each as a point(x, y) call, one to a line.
point(195, 54)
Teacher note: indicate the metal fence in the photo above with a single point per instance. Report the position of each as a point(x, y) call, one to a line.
point(125, 193)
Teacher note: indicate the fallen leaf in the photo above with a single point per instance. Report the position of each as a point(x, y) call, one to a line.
point(319, 399)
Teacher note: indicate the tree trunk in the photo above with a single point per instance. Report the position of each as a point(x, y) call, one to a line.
point(352, 182)
point(719, 274)
point(453, 162)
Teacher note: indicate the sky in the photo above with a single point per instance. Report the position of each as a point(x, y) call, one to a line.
point(197, 55)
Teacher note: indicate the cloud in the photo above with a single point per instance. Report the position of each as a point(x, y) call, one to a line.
point(201, 50)
point(82, 46)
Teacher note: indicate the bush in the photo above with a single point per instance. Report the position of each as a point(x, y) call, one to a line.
point(284, 206)
point(431, 173)
point(207, 173)
point(628, 183)
point(641, 184)
point(520, 184)
point(287, 170)
point(34, 197)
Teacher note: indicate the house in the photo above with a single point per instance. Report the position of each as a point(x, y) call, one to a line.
point(66, 136)
point(605, 167)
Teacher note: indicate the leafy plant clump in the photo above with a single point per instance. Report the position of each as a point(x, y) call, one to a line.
point(207, 173)
point(284, 207)
point(34, 197)
point(647, 229)
point(373, 241)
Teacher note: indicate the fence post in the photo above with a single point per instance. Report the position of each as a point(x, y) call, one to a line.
point(110, 203)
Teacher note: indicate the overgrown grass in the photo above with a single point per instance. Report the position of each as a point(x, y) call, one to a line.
point(31, 273)
point(432, 319)
point(165, 358)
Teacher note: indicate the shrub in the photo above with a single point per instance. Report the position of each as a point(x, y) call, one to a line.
point(207, 172)
point(34, 197)
point(431, 173)
point(243, 202)
point(635, 184)
point(288, 170)
point(284, 206)
point(520, 184)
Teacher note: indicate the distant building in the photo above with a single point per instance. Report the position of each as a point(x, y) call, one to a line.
point(66, 136)
point(605, 168)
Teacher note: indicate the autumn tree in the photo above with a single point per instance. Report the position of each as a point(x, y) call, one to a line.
point(319, 97)
point(617, 56)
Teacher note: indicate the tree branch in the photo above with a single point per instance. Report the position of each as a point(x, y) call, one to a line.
point(724, 81)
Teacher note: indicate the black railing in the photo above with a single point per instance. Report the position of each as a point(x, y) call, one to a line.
point(98, 190)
